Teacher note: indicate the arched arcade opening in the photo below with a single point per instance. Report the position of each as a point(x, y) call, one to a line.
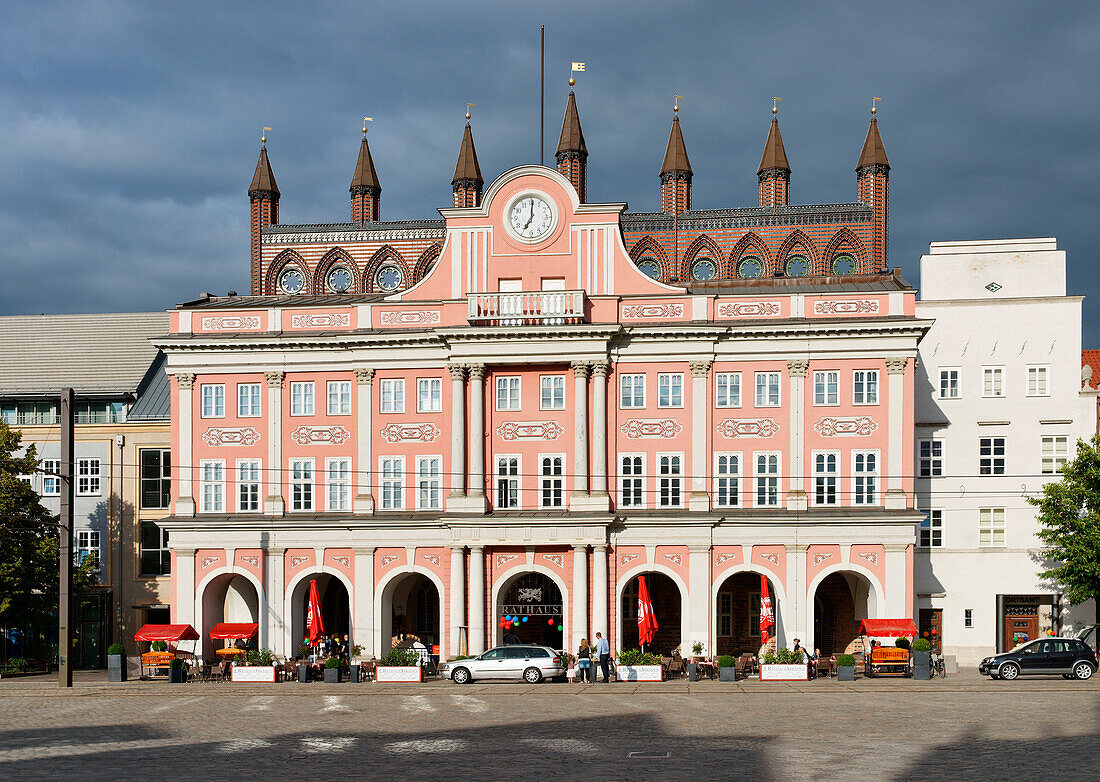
point(229, 597)
point(411, 605)
point(667, 609)
point(534, 602)
point(737, 614)
point(335, 608)
point(841, 601)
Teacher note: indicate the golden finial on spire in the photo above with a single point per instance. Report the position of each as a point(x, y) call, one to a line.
point(577, 66)
point(263, 135)
point(775, 107)
point(676, 104)
point(365, 121)
point(874, 109)
point(468, 107)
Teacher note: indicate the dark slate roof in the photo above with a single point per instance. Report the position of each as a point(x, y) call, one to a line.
point(467, 168)
point(775, 157)
point(365, 175)
point(862, 283)
point(873, 154)
point(367, 227)
point(208, 302)
point(263, 181)
point(154, 394)
point(676, 156)
point(748, 217)
point(572, 139)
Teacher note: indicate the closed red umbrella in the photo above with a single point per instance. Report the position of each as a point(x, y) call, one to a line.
point(767, 618)
point(647, 621)
point(314, 624)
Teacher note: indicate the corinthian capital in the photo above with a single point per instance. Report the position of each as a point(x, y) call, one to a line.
point(581, 368)
point(185, 380)
point(364, 375)
point(797, 367)
point(601, 369)
point(700, 368)
point(274, 379)
point(458, 371)
point(895, 366)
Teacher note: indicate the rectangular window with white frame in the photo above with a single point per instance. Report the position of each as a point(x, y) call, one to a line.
point(826, 466)
point(248, 400)
point(339, 397)
point(249, 481)
point(727, 389)
point(552, 392)
point(429, 482)
point(767, 480)
point(767, 389)
point(508, 393)
point(991, 456)
point(301, 398)
point(301, 484)
point(631, 391)
point(993, 381)
point(87, 545)
point(826, 388)
point(88, 476)
point(930, 459)
point(551, 481)
point(51, 484)
point(670, 389)
point(391, 482)
point(930, 534)
point(338, 484)
point(865, 387)
point(991, 527)
point(949, 383)
point(392, 395)
point(670, 480)
point(632, 480)
point(212, 486)
point(727, 480)
point(1037, 383)
point(1055, 453)
point(507, 482)
point(429, 395)
point(865, 477)
point(213, 400)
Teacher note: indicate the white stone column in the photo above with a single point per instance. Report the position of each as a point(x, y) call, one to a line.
point(699, 499)
point(600, 371)
point(600, 620)
point(185, 504)
point(458, 433)
point(895, 585)
point(797, 604)
point(797, 499)
point(457, 599)
point(895, 460)
point(184, 575)
point(364, 403)
point(698, 600)
point(477, 433)
point(273, 502)
point(580, 594)
point(362, 624)
point(579, 497)
point(271, 611)
point(477, 600)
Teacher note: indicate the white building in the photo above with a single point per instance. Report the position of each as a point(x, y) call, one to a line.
point(999, 408)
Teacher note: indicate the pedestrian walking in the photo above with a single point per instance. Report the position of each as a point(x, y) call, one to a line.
point(603, 653)
point(584, 661)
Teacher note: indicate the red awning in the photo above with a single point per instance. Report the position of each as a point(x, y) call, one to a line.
point(887, 628)
point(166, 633)
point(234, 630)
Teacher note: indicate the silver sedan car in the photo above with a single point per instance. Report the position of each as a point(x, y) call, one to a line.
point(529, 663)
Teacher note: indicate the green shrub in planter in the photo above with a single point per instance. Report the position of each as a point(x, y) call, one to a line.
point(902, 643)
point(783, 656)
point(177, 670)
point(158, 646)
point(116, 649)
point(116, 663)
point(922, 645)
point(259, 657)
point(637, 657)
point(845, 661)
point(400, 657)
point(845, 668)
point(332, 662)
point(726, 661)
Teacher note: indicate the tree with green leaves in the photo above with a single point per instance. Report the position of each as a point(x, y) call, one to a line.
point(1069, 514)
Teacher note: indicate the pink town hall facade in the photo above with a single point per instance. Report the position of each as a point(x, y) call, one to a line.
point(530, 427)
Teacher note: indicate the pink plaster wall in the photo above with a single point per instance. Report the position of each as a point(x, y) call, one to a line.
point(243, 554)
point(775, 570)
point(308, 561)
point(820, 557)
point(675, 558)
point(725, 557)
point(207, 560)
point(873, 558)
point(387, 560)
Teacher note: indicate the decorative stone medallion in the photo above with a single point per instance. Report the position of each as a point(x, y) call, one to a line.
point(747, 427)
point(307, 435)
point(231, 322)
point(241, 435)
point(855, 426)
point(636, 429)
point(749, 309)
point(408, 433)
point(410, 318)
point(318, 321)
point(845, 307)
point(530, 430)
point(653, 311)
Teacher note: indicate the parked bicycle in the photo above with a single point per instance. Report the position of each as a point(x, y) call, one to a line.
point(937, 665)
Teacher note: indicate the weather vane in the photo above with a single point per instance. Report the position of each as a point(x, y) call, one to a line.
point(676, 103)
point(874, 110)
point(468, 107)
point(577, 66)
point(775, 106)
point(365, 121)
point(263, 135)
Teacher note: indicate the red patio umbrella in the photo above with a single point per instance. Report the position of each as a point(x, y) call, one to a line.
point(314, 623)
point(767, 618)
point(647, 621)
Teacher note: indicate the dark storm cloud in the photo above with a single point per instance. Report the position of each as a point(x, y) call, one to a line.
point(128, 132)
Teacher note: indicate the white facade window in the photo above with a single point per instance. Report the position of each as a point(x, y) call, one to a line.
point(392, 391)
point(87, 545)
point(301, 398)
point(87, 477)
point(429, 485)
point(670, 477)
point(552, 481)
point(631, 391)
point(301, 484)
point(507, 482)
point(429, 395)
point(727, 389)
point(865, 477)
point(248, 485)
point(552, 392)
point(213, 401)
point(993, 381)
point(865, 387)
point(930, 534)
point(392, 482)
point(338, 484)
point(1055, 454)
point(670, 389)
point(826, 388)
point(991, 456)
point(51, 484)
point(949, 384)
point(991, 527)
point(826, 475)
point(727, 480)
point(248, 400)
point(508, 393)
point(212, 486)
point(767, 480)
point(767, 389)
point(1037, 381)
point(339, 397)
point(930, 462)
point(632, 480)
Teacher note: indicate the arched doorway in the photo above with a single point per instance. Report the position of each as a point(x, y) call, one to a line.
point(666, 599)
point(410, 605)
point(737, 614)
point(535, 603)
point(229, 597)
point(335, 608)
point(841, 601)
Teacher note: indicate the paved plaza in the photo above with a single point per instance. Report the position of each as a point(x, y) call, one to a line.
point(964, 727)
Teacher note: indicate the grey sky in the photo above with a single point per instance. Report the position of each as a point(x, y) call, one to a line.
point(129, 132)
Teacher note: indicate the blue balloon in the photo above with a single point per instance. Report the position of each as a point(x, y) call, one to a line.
point(525, 619)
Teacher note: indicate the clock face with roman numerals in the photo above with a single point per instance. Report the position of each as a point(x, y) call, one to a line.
point(530, 217)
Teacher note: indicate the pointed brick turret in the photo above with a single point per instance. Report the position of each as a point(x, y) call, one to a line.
point(263, 195)
point(572, 154)
point(365, 187)
point(467, 181)
point(676, 173)
point(873, 188)
point(774, 173)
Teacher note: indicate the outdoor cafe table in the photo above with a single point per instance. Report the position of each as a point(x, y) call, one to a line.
point(707, 668)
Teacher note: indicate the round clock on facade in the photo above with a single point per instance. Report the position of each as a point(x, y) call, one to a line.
point(530, 217)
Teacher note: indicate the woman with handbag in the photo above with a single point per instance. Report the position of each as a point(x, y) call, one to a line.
point(584, 661)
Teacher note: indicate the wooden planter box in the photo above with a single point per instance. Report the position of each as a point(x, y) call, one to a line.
point(398, 673)
point(784, 673)
point(252, 673)
point(638, 673)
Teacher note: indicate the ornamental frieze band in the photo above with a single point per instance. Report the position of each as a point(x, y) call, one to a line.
point(856, 426)
point(307, 435)
point(747, 427)
point(407, 433)
point(635, 429)
point(530, 430)
point(243, 435)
